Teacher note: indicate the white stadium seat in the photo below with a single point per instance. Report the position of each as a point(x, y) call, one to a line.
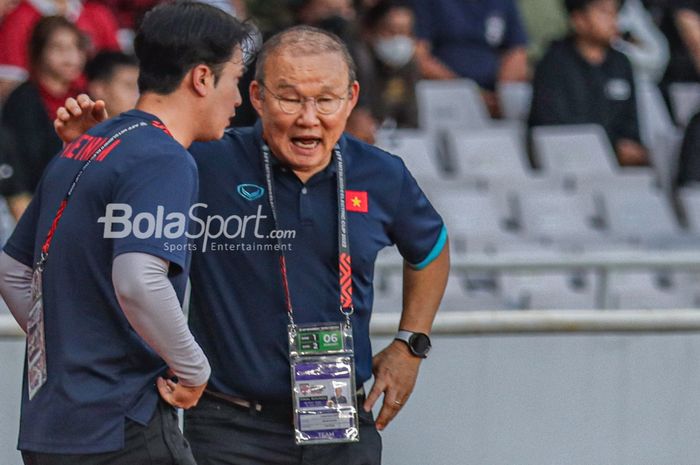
point(450, 104)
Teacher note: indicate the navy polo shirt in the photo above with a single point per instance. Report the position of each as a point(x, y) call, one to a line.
point(470, 35)
point(238, 311)
point(99, 370)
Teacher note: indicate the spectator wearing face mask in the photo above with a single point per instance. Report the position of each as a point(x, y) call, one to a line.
point(388, 30)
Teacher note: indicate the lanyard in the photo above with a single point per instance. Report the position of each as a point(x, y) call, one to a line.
point(59, 214)
point(344, 262)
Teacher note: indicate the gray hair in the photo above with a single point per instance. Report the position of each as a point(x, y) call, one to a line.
point(302, 41)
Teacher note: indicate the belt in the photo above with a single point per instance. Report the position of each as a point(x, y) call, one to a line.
point(279, 410)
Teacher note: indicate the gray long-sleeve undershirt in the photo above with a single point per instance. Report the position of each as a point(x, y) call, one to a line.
point(150, 304)
point(16, 288)
point(148, 300)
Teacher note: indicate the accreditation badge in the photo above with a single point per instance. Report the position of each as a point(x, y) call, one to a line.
point(323, 383)
point(36, 342)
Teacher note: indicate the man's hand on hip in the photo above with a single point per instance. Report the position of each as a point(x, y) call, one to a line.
point(395, 371)
point(178, 395)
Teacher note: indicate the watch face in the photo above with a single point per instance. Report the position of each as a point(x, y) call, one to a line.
point(420, 344)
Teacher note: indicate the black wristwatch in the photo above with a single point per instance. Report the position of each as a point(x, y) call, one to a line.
point(418, 343)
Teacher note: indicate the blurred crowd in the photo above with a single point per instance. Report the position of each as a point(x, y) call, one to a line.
point(584, 60)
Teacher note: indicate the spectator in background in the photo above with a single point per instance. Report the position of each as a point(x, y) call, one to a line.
point(642, 41)
point(689, 160)
point(129, 13)
point(6, 6)
point(388, 29)
point(339, 17)
point(681, 24)
point(483, 40)
point(56, 59)
point(96, 21)
point(113, 77)
point(582, 79)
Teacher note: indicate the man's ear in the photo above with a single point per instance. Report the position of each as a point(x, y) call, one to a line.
point(354, 96)
point(256, 98)
point(202, 78)
point(576, 20)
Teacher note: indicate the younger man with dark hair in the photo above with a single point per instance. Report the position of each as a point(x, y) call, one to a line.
point(113, 77)
point(582, 79)
point(106, 235)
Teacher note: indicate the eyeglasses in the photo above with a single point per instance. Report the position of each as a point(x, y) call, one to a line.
point(324, 104)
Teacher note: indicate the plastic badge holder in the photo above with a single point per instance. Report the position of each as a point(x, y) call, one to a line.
point(323, 383)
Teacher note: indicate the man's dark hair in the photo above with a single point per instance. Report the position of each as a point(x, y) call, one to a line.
point(42, 32)
point(375, 14)
point(175, 37)
point(105, 64)
point(573, 6)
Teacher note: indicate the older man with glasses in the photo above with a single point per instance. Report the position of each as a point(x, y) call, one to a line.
point(291, 216)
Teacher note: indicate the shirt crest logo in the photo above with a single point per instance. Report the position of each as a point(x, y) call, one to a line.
point(250, 191)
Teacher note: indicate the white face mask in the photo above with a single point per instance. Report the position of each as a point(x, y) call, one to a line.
point(395, 51)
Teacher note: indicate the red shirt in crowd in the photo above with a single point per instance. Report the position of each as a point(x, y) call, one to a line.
point(96, 21)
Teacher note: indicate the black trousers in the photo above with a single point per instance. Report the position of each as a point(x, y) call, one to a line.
point(223, 434)
point(158, 443)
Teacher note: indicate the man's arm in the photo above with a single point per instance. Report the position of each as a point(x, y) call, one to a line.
point(430, 67)
point(688, 24)
point(514, 65)
point(395, 368)
point(16, 288)
point(151, 305)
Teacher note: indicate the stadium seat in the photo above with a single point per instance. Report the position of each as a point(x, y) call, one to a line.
point(417, 149)
point(450, 104)
point(648, 290)
point(563, 217)
point(685, 100)
point(480, 291)
point(574, 151)
point(639, 216)
point(550, 291)
point(659, 134)
point(490, 153)
point(515, 98)
point(477, 221)
point(689, 199)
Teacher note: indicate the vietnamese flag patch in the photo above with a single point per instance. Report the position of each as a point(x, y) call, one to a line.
point(356, 201)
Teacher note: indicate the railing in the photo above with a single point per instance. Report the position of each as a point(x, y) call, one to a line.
point(601, 263)
point(534, 321)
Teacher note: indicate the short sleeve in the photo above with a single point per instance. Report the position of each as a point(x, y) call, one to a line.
point(515, 31)
point(21, 244)
point(417, 229)
point(155, 197)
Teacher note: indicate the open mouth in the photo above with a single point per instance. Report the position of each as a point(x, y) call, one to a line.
point(306, 142)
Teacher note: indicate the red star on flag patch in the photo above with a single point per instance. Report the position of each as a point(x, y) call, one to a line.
point(356, 201)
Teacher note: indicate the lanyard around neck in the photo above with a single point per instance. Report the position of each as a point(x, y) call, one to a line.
point(61, 208)
point(344, 262)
